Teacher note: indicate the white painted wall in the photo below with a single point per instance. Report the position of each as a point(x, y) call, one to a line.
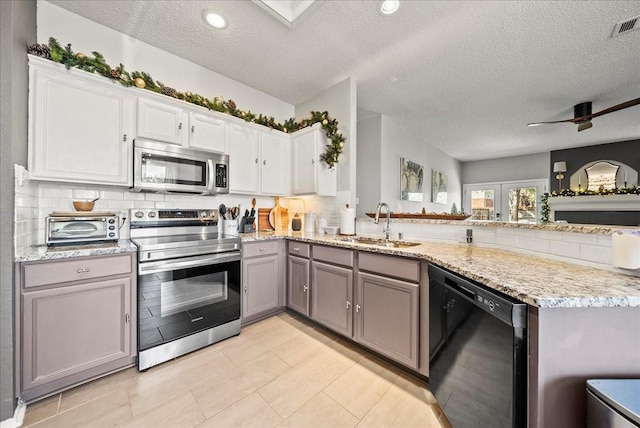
point(369, 180)
point(399, 141)
point(512, 168)
point(87, 36)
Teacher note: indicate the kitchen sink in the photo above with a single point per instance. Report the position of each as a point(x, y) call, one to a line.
point(380, 242)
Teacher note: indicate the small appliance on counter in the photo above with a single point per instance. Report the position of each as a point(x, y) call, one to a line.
point(81, 227)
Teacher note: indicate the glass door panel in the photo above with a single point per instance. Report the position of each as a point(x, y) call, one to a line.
point(483, 204)
point(522, 204)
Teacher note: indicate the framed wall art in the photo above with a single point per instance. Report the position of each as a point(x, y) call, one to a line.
point(438, 187)
point(411, 179)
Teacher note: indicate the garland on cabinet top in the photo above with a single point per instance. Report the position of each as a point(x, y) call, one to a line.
point(544, 200)
point(96, 64)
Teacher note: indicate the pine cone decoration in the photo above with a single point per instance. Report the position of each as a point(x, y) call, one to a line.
point(166, 90)
point(231, 105)
point(40, 50)
point(115, 73)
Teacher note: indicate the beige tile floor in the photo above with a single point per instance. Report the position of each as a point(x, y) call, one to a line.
point(281, 372)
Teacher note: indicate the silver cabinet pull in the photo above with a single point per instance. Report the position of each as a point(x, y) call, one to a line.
point(256, 160)
point(263, 249)
point(84, 270)
point(127, 319)
point(348, 304)
point(264, 162)
point(193, 129)
point(296, 249)
point(357, 308)
point(305, 288)
point(180, 125)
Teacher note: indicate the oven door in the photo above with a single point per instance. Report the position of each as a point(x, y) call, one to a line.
point(180, 297)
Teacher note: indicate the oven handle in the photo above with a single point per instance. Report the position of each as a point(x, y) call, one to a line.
point(187, 262)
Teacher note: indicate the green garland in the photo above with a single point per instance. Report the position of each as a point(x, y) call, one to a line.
point(96, 64)
point(544, 200)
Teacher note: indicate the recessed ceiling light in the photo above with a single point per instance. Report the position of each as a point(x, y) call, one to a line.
point(215, 19)
point(387, 7)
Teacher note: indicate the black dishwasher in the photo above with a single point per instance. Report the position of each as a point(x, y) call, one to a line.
point(477, 353)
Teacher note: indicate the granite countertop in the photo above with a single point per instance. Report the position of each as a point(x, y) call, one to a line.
point(537, 281)
point(42, 252)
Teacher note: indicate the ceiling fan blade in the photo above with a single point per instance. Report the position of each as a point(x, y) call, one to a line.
point(622, 106)
point(584, 125)
point(549, 123)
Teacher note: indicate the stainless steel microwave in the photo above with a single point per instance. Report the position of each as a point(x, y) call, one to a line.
point(163, 168)
point(70, 228)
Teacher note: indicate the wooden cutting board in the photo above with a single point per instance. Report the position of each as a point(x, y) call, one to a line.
point(263, 220)
point(279, 216)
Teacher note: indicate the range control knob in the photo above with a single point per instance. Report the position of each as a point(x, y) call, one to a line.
point(151, 214)
point(139, 214)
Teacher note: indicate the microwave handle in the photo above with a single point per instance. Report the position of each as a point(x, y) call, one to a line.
point(212, 176)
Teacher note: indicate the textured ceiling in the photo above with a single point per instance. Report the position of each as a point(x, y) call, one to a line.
point(466, 75)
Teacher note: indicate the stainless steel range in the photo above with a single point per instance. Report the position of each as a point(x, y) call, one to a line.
point(188, 282)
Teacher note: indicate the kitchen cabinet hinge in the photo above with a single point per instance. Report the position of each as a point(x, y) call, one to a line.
point(127, 318)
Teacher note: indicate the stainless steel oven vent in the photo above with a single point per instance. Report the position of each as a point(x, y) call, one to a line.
point(626, 26)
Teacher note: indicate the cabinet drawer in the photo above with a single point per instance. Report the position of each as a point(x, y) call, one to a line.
point(338, 256)
point(397, 267)
point(299, 249)
point(261, 248)
point(35, 275)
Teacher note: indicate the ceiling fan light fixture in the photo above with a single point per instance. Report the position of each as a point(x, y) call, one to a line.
point(584, 125)
point(215, 19)
point(388, 7)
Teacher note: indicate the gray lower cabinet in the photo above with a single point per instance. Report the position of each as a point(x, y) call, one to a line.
point(298, 277)
point(332, 288)
point(77, 322)
point(386, 309)
point(262, 280)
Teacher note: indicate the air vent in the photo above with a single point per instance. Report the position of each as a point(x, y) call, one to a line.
point(626, 26)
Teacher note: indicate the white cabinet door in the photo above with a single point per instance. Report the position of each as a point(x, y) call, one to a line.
point(304, 163)
point(310, 174)
point(276, 164)
point(207, 133)
point(162, 122)
point(244, 159)
point(80, 130)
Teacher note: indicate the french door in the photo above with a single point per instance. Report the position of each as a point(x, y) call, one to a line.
point(512, 201)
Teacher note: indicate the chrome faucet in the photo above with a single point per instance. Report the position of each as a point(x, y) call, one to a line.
point(387, 228)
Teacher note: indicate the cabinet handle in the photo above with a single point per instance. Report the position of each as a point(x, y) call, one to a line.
point(127, 318)
point(348, 304)
point(245, 290)
point(193, 128)
point(124, 137)
point(180, 125)
point(256, 160)
point(263, 249)
point(296, 249)
point(264, 162)
point(305, 288)
point(84, 270)
point(357, 308)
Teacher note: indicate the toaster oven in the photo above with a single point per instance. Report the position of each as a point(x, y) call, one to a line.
point(82, 228)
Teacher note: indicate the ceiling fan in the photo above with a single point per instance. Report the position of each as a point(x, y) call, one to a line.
point(582, 114)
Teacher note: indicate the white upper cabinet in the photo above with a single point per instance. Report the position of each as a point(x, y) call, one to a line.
point(162, 122)
point(207, 133)
point(259, 161)
point(310, 174)
point(169, 122)
point(244, 159)
point(276, 163)
point(80, 125)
